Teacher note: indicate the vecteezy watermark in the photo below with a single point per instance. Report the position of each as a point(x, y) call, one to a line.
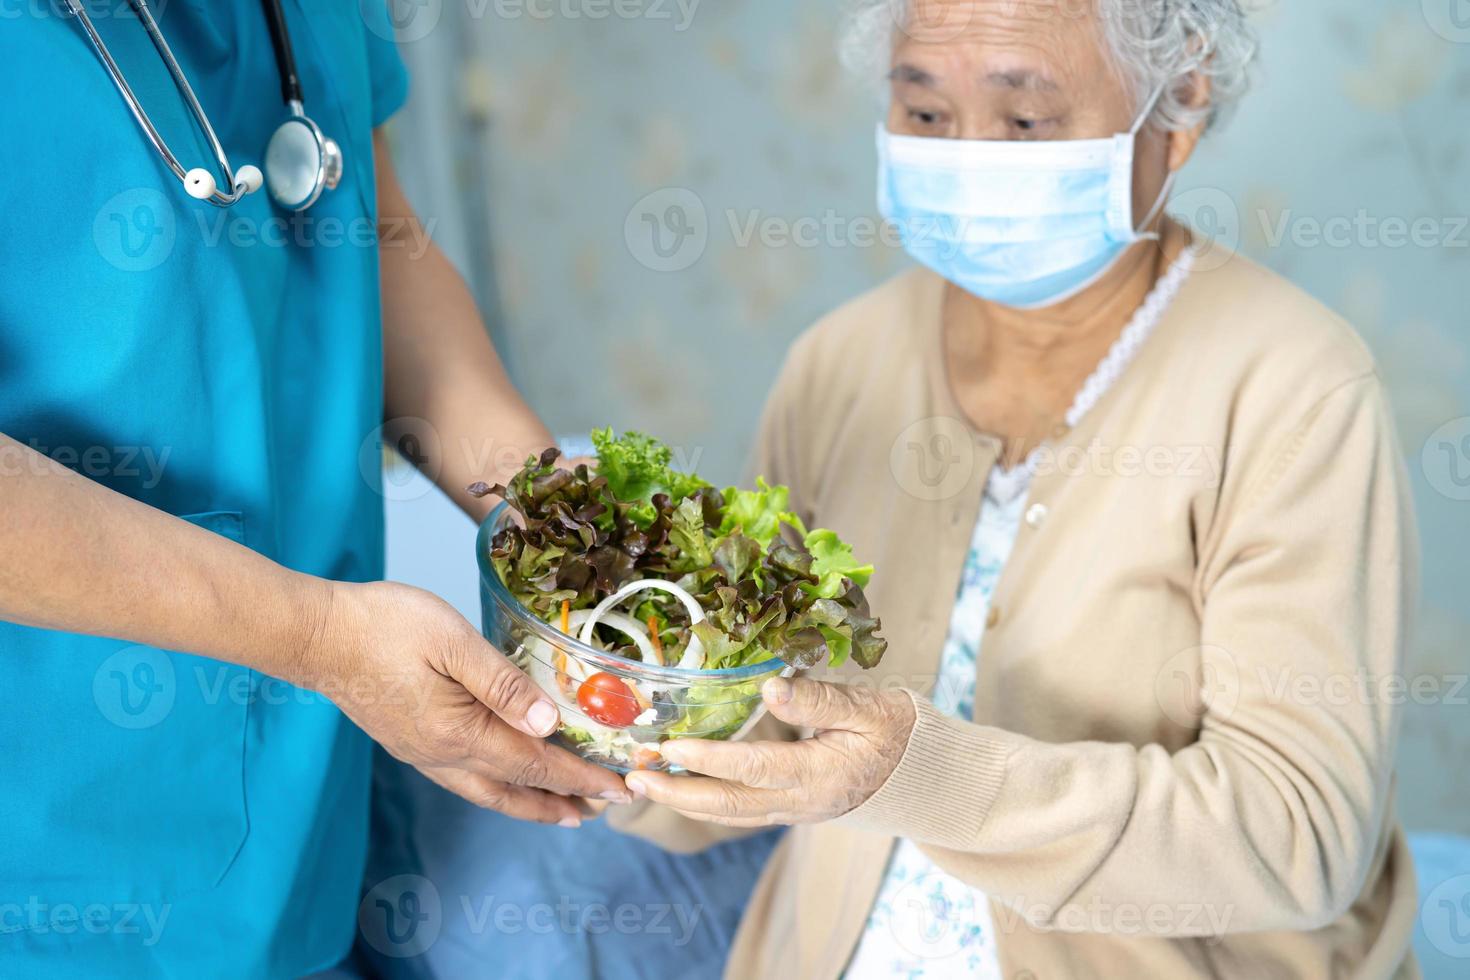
point(138, 687)
point(414, 445)
point(1445, 459)
point(129, 919)
point(679, 13)
point(135, 230)
point(135, 688)
point(401, 916)
point(1450, 19)
point(1126, 919)
point(675, 920)
point(1284, 685)
point(1445, 916)
point(934, 917)
point(97, 10)
point(404, 916)
point(143, 463)
point(931, 21)
point(1204, 465)
point(1363, 230)
point(302, 229)
point(1196, 681)
point(934, 458)
point(406, 21)
point(1208, 680)
point(1213, 214)
point(223, 684)
point(667, 230)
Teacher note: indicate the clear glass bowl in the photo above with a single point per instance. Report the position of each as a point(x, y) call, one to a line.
point(667, 702)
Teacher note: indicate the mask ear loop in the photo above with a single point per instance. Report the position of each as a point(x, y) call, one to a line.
point(1163, 198)
point(1153, 212)
point(1153, 101)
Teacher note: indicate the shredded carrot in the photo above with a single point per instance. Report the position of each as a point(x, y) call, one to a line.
point(643, 703)
point(566, 616)
point(658, 646)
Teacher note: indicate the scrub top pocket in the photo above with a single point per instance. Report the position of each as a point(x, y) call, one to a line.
point(131, 755)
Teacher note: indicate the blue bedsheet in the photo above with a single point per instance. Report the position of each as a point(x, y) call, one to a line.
point(464, 893)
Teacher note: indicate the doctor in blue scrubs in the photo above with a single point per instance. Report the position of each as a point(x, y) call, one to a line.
point(196, 646)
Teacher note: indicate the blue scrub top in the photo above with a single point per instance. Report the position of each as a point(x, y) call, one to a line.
point(162, 814)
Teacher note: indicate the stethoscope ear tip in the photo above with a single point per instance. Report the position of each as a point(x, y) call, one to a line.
point(249, 179)
point(200, 184)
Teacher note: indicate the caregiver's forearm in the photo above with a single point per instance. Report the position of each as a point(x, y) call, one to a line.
point(439, 363)
point(78, 557)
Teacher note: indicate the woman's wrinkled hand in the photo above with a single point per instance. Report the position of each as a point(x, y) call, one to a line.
point(861, 735)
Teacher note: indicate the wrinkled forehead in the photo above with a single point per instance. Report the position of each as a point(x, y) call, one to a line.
point(1045, 44)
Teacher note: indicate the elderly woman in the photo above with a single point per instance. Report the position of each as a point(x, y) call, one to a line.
point(1143, 544)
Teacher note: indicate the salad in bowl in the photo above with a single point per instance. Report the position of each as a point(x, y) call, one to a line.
point(650, 605)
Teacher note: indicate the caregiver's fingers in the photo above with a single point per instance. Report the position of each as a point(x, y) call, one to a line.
point(808, 703)
point(701, 794)
point(592, 809)
point(767, 765)
point(519, 802)
point(514, 757)
point(501, 686)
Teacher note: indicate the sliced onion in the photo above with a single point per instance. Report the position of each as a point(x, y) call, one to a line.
point(635, 630)
point(693, 653)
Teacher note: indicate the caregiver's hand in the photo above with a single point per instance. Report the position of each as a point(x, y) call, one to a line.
point(414, 675)
point(861, 736)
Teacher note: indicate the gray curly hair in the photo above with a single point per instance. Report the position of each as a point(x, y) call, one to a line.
point(1152, 43)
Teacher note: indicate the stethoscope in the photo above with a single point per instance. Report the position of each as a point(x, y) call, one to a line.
point(300, 161)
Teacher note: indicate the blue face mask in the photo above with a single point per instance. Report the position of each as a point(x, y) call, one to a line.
point(1021, 223)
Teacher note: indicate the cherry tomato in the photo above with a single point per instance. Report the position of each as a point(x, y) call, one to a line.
point(608, 701)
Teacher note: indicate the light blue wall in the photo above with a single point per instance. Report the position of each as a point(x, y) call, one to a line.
point(566, 123)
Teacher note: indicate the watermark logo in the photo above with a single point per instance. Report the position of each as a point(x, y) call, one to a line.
point(933, 921)
point(401, 916)
point(135, 230)
point(1450, 19)
point(1197, 681)
point(1445, 459)
point(667, 230)
point(136, 923)
point(1213, 214)
point(1445, 917)
point(417, 448)
point(930, 21)
point(933, 458)
point(135, 687)
point(96, 10)
point(406, 21)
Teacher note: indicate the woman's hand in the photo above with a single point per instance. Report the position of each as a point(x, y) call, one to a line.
point(861, 736)
point(415, 676)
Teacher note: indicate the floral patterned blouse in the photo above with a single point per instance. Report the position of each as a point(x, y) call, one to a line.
point(925, 922)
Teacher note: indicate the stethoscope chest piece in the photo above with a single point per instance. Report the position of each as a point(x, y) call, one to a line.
point(301, 162)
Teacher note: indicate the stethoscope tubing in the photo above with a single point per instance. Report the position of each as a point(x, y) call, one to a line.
point(275, 19)
point(220, 198)
point(328, 164)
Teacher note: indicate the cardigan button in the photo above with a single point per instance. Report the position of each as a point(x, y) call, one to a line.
point(992, 617)
point(1036, 515)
